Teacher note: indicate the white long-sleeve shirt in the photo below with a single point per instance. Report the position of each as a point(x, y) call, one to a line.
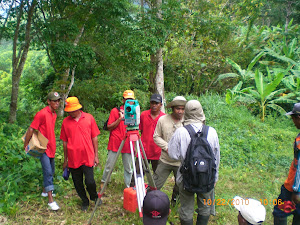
point(181, 139)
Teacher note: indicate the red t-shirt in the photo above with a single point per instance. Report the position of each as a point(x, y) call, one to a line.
point(79, 136)
point(117, 135)
point(147, 127)
point(44, 121)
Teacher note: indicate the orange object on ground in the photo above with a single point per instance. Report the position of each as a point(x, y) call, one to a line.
point(130, 199)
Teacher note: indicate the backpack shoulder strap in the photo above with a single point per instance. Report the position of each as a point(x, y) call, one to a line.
point(192, 133)
point(204, 131)
point(191, 130)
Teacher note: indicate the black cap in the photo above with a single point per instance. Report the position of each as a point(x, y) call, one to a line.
point(156, 98)
point(295, 111)
point(156, 207)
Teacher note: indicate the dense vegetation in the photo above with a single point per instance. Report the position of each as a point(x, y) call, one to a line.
point(241, 59)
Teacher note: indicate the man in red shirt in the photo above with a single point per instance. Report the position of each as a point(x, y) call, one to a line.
point(44, 121)
point(117, 130)
point(79, 133)
point(148, 121)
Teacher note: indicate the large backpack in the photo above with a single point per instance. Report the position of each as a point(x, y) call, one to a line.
point(199, 167)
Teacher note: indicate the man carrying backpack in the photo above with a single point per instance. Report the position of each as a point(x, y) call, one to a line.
point(197, 147)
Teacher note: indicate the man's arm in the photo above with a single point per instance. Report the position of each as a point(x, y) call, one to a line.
point(174, 146)
point(28, 136)
point(114, 124)
point(65, 165)
point(213, 140)
point(157, 137)
point(95, 144)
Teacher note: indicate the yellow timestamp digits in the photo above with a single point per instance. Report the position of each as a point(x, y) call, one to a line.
point(271, 201)
point(222, 201)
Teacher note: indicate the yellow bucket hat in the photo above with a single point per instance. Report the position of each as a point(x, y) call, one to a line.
point(72, 104)
point(128, 94)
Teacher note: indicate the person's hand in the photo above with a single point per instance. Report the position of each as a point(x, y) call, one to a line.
point(65, 165)
point(296, 198)
point(121, 114)
point(96, 161)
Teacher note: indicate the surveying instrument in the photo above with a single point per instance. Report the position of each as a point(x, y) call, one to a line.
point(132, 120)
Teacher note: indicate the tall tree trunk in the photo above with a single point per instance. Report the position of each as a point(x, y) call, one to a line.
point(64, 93)
point(19, 60)
point(159, 77)
point(288, 14)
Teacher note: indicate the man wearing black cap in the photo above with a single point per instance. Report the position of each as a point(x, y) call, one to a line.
point(44, 121)
point(156, 208)
point(288, 199)
point(148, 121)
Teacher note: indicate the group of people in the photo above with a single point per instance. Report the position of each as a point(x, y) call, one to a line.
point(165, 140)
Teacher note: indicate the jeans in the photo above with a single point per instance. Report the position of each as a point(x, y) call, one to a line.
point(127, 162)
point(48, 168)
point(77, 176)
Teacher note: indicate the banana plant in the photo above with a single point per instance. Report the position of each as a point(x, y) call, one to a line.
point(266, 95)
point(286, 52)
point(243, 75)
point(236, 94)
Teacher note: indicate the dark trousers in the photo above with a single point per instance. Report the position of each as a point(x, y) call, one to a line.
point(77, 176)
point(280, 216)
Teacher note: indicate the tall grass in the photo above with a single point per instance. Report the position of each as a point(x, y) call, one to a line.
point(255, 158)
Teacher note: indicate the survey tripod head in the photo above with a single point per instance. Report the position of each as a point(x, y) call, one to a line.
point(132, 114)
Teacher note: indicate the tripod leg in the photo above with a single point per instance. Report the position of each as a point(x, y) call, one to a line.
point(147, 168)
point(136, 179)
point(106, 181)
point(140, 160)
point(112, 167)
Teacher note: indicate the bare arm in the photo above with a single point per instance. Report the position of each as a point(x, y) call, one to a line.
point(65, 165)
point(28, 136)
point(95, 144)
point(114, 124)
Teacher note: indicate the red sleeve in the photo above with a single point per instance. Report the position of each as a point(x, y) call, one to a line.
point(95, 130)
point(38, 119)
point(63, 135)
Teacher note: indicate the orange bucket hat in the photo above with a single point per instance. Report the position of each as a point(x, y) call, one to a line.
point(128, 94)
point(72, 104)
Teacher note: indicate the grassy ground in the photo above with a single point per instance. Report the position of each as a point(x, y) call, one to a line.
point(255, 158)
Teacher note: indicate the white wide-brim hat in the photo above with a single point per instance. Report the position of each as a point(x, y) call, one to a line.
point(178, 100)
